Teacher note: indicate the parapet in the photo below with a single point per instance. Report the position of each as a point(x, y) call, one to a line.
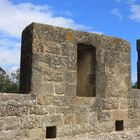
point(53, 58)
point(75, 85)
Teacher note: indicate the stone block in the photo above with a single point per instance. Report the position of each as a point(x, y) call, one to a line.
point(59, 89)
point(72, 62)
point(37, 133)
point(58, 62)
point(104, 116)
point(70, 90)
point(11, 123)
point(52, 75)
point(28, 122)
point(132, 114)
point(123, 103)
point(10, 110)
point(53, 120)
point(37, 75)
point(83, 102)
point(106, 126)
point(61, 101)
point(110, 103)
point(63, 110)
point(43, 88)
point(119, 114)
point(70, 77)
point(44, 100)
point(42, 110)
point(69, 119)
point(133, 104)
point(89, 118)
point(13, 134)
point(1, 124)
point(131, 124)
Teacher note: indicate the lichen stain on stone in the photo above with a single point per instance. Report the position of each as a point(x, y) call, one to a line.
point(69, 36)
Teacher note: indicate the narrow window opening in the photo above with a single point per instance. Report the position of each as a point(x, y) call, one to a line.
point(86, 68)
point(119, 125)
point(51, 132)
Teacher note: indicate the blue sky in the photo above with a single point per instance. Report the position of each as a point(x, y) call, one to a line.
point(120, 18)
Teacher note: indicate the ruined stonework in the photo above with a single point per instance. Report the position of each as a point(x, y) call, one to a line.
point(75, 86)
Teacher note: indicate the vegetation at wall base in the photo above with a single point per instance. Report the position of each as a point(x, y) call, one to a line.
point(9, 83)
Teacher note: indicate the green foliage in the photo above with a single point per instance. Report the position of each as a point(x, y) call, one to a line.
point(134, 85)
point(9, 83)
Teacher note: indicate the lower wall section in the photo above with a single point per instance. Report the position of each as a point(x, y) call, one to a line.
point(38, 134)
point(124, 135)
point(30, 117)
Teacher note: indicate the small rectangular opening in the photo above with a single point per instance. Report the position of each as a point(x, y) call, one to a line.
point(51, 132)
point(119, 125)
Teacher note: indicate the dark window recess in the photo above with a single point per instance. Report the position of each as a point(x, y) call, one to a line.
point(119, 125)
point(86, 70)
point(51, 132)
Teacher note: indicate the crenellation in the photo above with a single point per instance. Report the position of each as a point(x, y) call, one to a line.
point(76, 85)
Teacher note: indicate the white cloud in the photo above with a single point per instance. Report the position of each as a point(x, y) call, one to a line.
point(116, 12)
point(134, 77)
point(9, 52)
point(14, 69)
point(14, 18)
point(11, 43)
point(135, 13)
point(9, 56)
point(97, 32)
point(65, 13)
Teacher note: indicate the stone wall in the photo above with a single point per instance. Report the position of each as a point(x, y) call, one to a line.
point(50, 104)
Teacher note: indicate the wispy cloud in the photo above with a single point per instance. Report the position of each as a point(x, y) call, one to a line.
point(116, 12)
point(133, 7)
point(135, 13)
point(9, 57)
point(20, 15)
point(15, 17)
point(66, 13)
point(134, 77)
point(126, 1)
point(97, 32)
point(9, 51)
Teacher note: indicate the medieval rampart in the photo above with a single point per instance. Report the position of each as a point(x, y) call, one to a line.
point(74, 85)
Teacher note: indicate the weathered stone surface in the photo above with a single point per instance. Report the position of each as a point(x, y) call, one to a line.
point(13, 134)
point(70, 77)
point(37, 133)
point(11, 123)
point(110, 103)
point(42, 110)
point(123, 135)
point(69, 119)
point(59, 89)
point(70, 90)
point(44, 100)
point(28, 122)
point(50, 120)
point(119, 114)
point(104, 116)
point(44, 88)
point(50, 73)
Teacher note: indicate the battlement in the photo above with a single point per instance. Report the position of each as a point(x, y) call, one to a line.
point(73, 83)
